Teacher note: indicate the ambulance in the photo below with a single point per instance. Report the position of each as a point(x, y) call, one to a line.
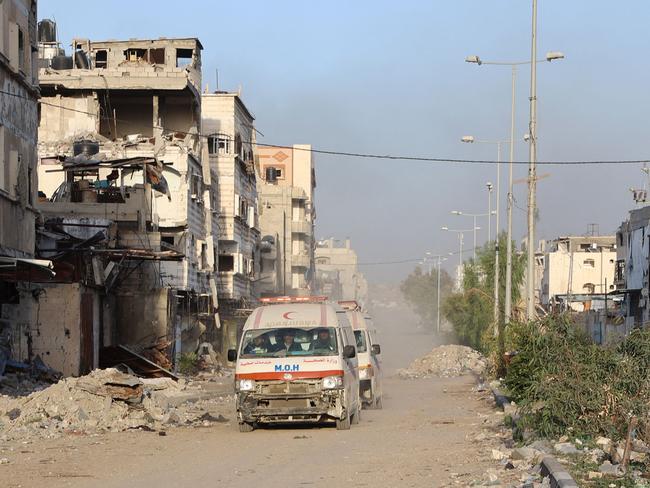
point(296, 362)
point(368, 351)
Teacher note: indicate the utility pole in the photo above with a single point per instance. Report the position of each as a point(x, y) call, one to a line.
point(532, 182)
point(508, 299)
point(438, 295)
point(496, 244)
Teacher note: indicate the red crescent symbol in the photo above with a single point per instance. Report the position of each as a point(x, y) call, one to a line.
point(286, 315)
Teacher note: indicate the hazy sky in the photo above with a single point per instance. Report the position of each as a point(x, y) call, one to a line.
point(389, 77)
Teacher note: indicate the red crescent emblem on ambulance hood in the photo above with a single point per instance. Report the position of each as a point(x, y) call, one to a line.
point(286, 315)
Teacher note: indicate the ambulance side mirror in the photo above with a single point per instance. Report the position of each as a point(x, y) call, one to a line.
point(349, 352)
point(376, 349)
point(232, 355)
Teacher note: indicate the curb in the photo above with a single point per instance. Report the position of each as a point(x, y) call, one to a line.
point(550, 466)
point(558, 476)
point(500, 399)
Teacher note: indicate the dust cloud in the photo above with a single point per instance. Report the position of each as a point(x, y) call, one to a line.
point(402, 335)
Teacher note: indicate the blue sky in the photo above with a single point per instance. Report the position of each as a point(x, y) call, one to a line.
point(390, 77)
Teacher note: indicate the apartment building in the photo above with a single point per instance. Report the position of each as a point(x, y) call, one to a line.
point(228, 127)
point(121, 169)
point(577, 271)
point(287, 215)
point(19, 94)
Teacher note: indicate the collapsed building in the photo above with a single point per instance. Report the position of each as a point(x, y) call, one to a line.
point(126, 202)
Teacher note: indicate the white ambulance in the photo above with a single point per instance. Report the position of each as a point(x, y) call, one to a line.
point(296, 362)
point(368, 351)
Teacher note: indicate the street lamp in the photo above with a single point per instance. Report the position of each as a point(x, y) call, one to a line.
point(474, 216)
point(498, 226)
point(550, 56)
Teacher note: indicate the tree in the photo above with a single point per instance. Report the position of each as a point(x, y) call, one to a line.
point(470, 310)
point(420, 290)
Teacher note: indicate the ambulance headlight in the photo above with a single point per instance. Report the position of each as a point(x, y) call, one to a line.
point(331, 382)
point(246, 385)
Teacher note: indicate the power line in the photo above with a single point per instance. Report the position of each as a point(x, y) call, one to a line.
point(391, 157)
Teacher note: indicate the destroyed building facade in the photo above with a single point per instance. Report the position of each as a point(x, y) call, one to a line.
point(228, 128)
point(125, 200)
point(287, 215)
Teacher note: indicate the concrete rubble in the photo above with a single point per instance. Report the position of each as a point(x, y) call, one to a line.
point(109, 401)
point(445, 362)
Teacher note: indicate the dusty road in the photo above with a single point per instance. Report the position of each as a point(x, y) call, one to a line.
point(420, 438)
point(424, 437)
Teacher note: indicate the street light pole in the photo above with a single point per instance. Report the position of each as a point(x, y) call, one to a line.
point(550, 56)
point(489, 187)
point(532, 183)
point(438, 297)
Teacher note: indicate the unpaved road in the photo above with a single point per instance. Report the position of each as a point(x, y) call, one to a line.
point(422, 438)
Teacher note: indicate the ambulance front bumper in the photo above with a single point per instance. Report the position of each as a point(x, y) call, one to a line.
point(290, 407)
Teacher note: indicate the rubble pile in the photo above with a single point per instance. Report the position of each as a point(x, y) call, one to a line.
point(108, 400)
point(445, 362)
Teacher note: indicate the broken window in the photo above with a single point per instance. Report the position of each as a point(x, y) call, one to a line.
point(156, 56)
point(238, 146)
point(589, 288)
point(21, 50)
point(226, 262)
point(167, 240)
point(101, 59)
point(219, 144)
point(184, 57)
point(589, 263)
point(134, 55)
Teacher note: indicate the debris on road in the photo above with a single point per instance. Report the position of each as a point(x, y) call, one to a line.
point(445, 362)
point(109, 400)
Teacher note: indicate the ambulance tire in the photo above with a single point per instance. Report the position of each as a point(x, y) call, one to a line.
point(343, 424)
point(377, 405)
point(246, 427)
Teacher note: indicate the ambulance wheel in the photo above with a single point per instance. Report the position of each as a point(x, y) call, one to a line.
point(246, 427)
point(343, 424)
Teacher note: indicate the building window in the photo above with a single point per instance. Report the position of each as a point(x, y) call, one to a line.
point(101, 59)
point(21, 50)
point(156, 56)
point(226, 262)
point(184, 57)
point(589, 288)
point(219, 144)
point(589, 263)
point(134, 55)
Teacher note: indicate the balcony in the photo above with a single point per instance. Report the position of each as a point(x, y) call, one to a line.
point(301, 260)
point(301, 227)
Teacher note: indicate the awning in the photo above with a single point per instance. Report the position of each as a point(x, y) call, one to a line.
point(23, 269)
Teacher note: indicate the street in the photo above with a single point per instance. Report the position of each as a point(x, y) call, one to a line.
point(424, 434)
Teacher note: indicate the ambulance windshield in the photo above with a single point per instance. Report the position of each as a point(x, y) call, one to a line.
point(285, 342)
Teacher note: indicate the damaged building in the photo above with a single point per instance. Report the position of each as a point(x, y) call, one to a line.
point(19, 92)
point(228, 127)
point(124, 192)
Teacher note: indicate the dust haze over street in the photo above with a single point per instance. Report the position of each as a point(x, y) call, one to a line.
point(422, 436)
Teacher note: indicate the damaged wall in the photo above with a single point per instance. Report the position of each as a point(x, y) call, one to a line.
point(142, 317)
point(60, 322)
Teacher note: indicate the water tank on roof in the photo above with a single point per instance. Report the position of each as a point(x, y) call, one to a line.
point(47, 31)
point(81, 60)
point(61, 62)
point(86, 147)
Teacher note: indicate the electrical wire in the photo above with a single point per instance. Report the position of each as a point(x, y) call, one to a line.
point(392, 157)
